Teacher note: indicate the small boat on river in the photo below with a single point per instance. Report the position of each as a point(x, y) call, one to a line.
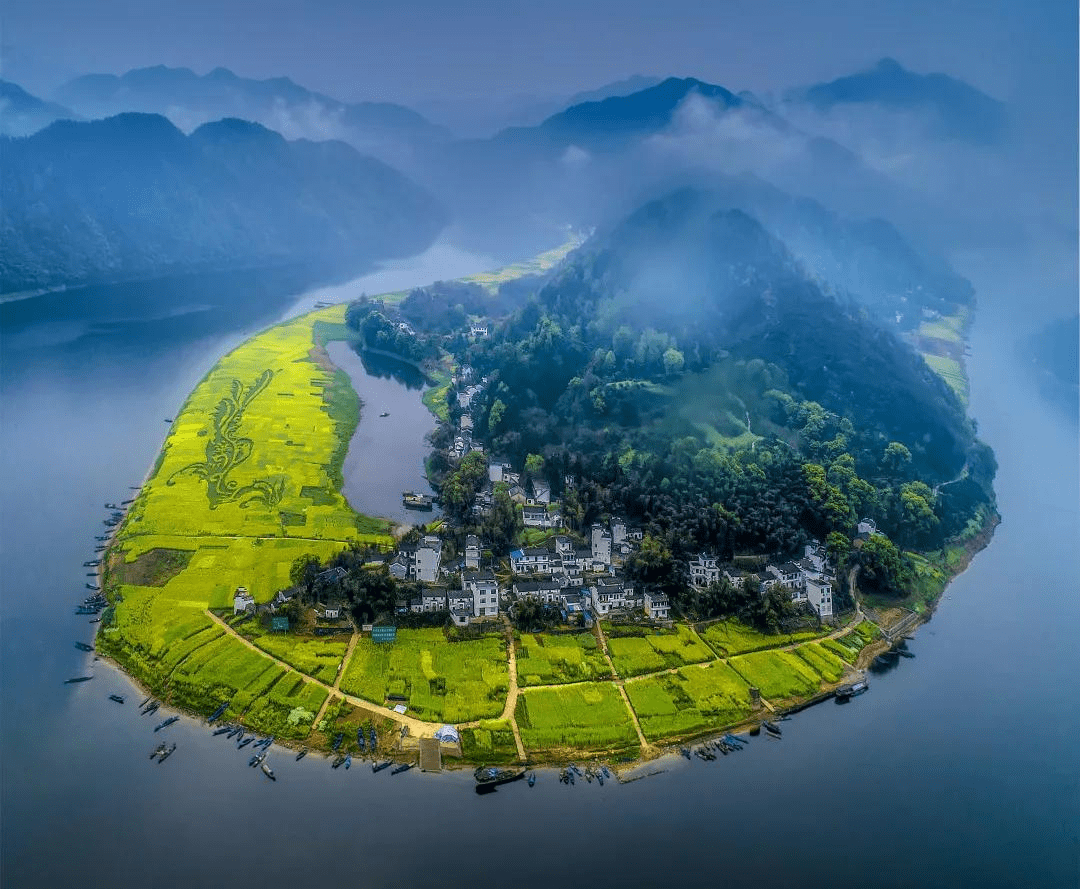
point(404, 767)
point(385, 414)
point(118, 698)
point(161, 748)
point(75, 679)
point(301, 754)
point(379, 766)
point(166, 723)
point(412, 500)
point(337, 762)
point(337, 741)
point(348, 761)
point(217, 713)
point(164, 756)
point(771, 727)
point(222, 730)
point(488, 778)
point(82, 646)
point(847, 692)
point(269, 772)
point(532, 779)
point(244, 743)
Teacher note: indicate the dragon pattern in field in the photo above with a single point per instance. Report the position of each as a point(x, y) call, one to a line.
point(226, 450)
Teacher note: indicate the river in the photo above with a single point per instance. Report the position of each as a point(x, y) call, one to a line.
point(959, 768)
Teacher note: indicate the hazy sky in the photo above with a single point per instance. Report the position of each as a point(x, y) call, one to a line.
point(412, 51)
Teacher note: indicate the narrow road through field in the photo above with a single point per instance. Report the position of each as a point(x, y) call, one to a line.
point(619, 683)
point(341, 672)
point(417, 727)
point(510, 707)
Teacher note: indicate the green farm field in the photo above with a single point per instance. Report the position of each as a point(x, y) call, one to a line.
point(549, 659)
point(492, 741)
point(439, 680)
point(634, 655)
point(729, 637)
point(317, 656)
point(689, 701)
point(590, 716)
point(241, 489)
point(779, 674)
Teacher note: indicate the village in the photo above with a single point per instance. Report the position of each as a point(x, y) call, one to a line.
point(581, 577)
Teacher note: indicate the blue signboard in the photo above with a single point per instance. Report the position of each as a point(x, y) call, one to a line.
point(383, 634)
point(279, 623)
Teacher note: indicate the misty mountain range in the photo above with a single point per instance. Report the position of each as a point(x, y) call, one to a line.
point(132, 194)
point(956, 110)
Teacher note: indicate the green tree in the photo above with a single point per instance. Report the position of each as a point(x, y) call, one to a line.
point(917, 510)
point(534, 465)
point(303, 571)
point(880, 565)
point(673, 361)
point(495, 416)
point(837, 546)
point(896, 457)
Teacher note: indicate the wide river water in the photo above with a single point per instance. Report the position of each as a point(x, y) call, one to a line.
point(959, 768)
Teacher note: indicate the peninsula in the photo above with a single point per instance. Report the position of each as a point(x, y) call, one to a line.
point(648, 535)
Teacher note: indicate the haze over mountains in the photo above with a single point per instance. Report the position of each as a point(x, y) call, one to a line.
point(606, 153)
point(953, 108)
point(22, 114)
point(132, 195)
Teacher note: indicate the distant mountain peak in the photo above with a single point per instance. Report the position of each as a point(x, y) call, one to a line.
point(648, 109)
point(889, 64)
point(962, 111)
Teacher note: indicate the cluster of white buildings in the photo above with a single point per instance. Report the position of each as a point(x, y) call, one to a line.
point(577, 579)
point(811, 579)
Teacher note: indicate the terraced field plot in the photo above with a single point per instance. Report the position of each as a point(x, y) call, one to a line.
point(438, 680)
point(589, 716)
point(634, 655)
point(731, 637)
point(848, 646)
point(779, 674)
point(694, 699)
point(826, 663)
point(317, 656)
point(548, 659)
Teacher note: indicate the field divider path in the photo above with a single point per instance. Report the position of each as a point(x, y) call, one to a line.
point(510, 708)
point(336, 688)
point(619, 684)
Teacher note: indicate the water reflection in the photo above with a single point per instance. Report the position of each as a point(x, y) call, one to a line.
point(387, 452)
point(386, 368)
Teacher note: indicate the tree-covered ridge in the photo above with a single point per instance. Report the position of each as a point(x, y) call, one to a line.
point(687, 370)
point(132, 195)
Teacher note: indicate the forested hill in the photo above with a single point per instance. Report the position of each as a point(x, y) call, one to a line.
point(132, 195)
point(685, 346)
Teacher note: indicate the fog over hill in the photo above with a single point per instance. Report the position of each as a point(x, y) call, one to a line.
point(385, 130)
point(22, 114)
